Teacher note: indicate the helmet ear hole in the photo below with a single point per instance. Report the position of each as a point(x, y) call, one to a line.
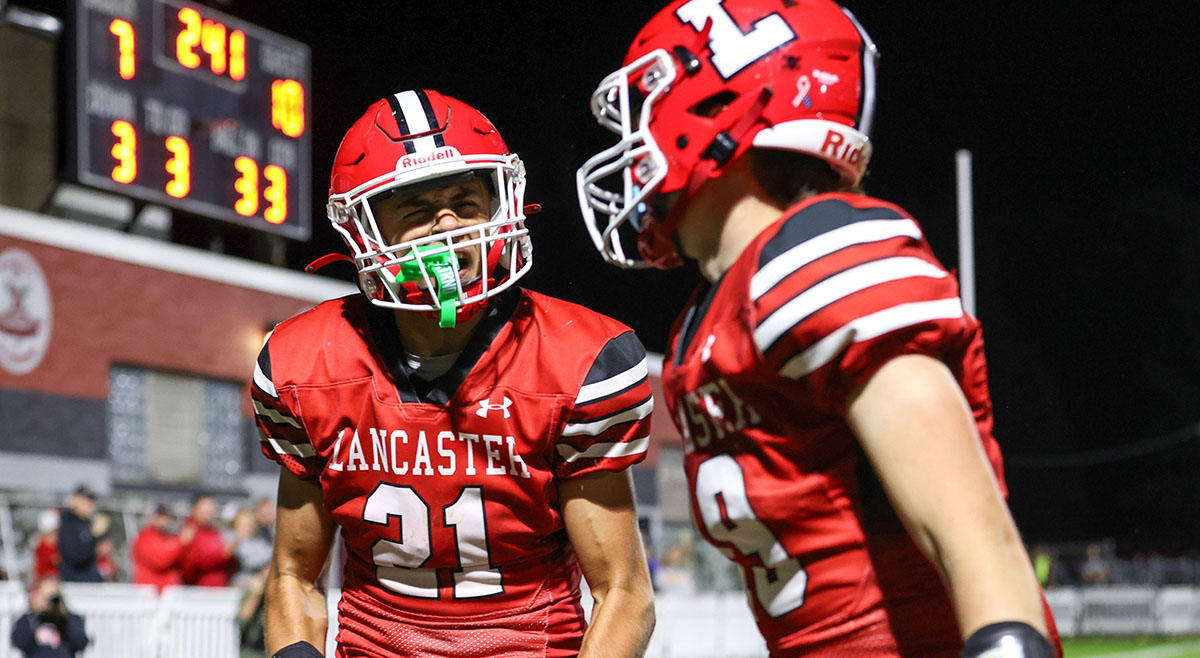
point(710, 107)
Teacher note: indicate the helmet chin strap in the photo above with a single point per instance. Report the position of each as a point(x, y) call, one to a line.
point(716, 156)
point(326, 260)
point(444, 268)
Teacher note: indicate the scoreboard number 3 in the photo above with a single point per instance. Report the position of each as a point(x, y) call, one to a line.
point(179, 166)
point(125, 152)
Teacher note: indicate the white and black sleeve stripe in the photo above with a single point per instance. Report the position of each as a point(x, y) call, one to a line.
point(836, 287)
point(619, 367)
point(601, 424)
point(262, 374)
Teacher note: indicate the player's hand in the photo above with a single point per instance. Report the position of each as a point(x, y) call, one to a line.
point(1007, 639)
point(187, 534)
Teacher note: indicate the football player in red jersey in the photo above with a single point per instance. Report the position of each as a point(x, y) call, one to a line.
point(831, 390)
point(470, 438)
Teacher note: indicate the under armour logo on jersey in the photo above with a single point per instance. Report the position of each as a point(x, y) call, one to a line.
point(486, 405)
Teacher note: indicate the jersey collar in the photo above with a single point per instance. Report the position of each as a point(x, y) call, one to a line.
point(389, 348)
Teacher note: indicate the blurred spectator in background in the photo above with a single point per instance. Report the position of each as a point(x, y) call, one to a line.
point(674, 575)
point(79, 527)
point(48, 630)
point(1094, 570)
point(207, 558)
point(157, 554)
point(264, 512)
point(45, 551)
point(652, 561)
point(253, 554)
point(253, 551)
point(1043, 566)
point(106, 562)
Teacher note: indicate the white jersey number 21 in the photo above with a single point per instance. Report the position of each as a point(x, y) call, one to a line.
point(399, 564)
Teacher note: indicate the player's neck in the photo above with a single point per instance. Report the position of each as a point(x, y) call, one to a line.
point(423, 337)
point(726, 215)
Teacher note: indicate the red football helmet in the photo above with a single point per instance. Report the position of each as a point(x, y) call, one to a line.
point(704, 81)
point(412, 140)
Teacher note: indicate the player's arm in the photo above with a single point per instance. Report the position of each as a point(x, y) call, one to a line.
point(303, 534)
point(601, 520)
point(917, 430)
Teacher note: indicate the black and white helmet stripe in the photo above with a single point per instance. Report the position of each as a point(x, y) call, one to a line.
point(431, 117)
point(414, 115)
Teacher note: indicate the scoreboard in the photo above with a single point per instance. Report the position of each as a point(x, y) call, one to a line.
point(178, 104)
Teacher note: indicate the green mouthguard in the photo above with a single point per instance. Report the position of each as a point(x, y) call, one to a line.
point(443, 268)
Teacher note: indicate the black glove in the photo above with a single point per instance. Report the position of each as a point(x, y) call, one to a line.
point(1007, 639)
point(298, 650)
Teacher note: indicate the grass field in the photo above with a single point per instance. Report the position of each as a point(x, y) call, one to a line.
point(1132, 647)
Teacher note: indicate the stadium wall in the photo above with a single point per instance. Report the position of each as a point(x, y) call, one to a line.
point(78, 300)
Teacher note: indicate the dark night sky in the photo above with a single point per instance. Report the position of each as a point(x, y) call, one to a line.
point(1086, 187)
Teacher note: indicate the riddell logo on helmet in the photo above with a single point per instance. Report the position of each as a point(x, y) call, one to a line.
point(444, 153)
point(837, 147)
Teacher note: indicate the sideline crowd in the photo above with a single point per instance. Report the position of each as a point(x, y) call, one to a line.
point(75, 543)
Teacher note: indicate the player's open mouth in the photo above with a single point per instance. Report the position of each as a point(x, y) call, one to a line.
point(468, 261)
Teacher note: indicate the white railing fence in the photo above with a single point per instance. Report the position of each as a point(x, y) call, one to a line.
point(131, 621)
point(1126, 610)
point(119, 619)
point(198, 621)
point(13, 604)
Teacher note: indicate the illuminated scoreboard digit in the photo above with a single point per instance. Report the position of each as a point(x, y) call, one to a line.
point(181, 105)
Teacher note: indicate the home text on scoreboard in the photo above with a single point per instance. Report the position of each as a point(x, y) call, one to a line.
point(178, 104)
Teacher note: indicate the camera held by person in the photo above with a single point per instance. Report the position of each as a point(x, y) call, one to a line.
point(48, 630)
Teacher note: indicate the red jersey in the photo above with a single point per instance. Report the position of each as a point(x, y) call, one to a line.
point(757, 374)
point(446, 491)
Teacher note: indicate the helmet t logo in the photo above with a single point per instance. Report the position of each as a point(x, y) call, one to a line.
point(732, 49)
